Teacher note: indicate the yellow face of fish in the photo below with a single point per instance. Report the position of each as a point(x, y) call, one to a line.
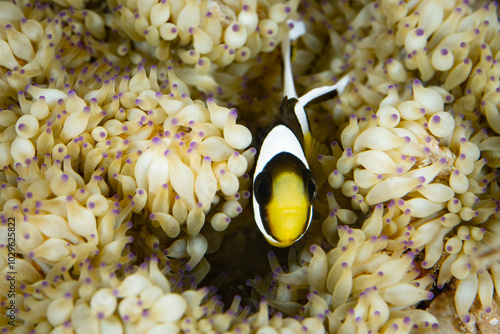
point(288, 209)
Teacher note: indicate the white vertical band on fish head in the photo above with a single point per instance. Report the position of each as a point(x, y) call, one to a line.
point(279, 139)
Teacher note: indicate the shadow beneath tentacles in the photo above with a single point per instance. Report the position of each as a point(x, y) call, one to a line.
point(242, 255)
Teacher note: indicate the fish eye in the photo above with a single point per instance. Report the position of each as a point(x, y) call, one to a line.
point(311, 186)
point(262, 188)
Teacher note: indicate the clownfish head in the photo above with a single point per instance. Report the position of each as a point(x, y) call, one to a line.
point(283, 193)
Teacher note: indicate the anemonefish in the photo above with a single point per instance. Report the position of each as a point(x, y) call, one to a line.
point(284, 187)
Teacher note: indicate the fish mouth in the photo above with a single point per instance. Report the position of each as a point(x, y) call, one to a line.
point(290, 212)
point(291, 215)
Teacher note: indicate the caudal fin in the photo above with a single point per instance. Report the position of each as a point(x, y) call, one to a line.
point(297, 29)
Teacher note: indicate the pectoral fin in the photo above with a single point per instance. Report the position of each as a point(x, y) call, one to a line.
point(313, 149)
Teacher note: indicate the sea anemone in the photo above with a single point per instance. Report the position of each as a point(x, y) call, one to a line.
point(126, 153)
point(147, 298)
point(421, 150)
